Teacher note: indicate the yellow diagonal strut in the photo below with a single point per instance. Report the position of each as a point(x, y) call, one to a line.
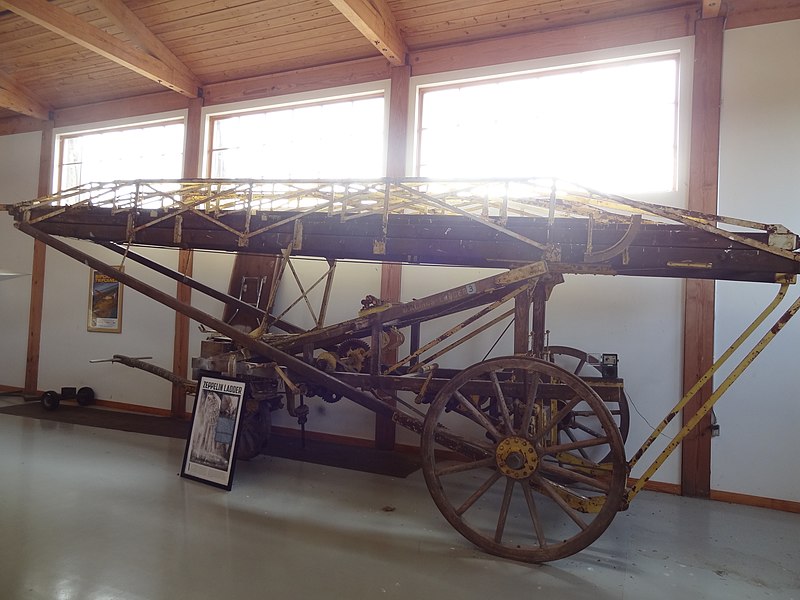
point(706, 407)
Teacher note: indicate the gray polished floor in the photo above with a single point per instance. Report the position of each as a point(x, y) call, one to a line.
point(90, 514)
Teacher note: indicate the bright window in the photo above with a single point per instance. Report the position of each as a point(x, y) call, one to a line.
point(335, 139)
point(153, 151)
point(612, 126)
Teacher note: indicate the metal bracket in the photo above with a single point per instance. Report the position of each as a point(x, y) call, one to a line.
point(621, 246)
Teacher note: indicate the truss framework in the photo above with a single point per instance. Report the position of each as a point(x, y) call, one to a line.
point(503, 223)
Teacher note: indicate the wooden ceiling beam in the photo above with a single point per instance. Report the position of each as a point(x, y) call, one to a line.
point(18, 98)
point(124, 18)
point(711, 8)
point(80, 32)
point(375, 21)
point(20, 124)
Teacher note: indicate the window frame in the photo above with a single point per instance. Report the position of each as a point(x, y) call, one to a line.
point(679, 50)
point(61, 138)
point(290, 104)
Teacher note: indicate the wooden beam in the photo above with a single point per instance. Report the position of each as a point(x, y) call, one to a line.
point(300, 80)
point(38, 269)
point(82, 33)
point(613, 33)
point(135, 106)
point(14, 125)
point(16, 97)
point(396, 156)
point(711, 8)
point(193, 143)
point(698, 332)
point(374, 19)
point(391, 273)
point(124, 18)
point(522, 323)
point(180, 350)
point(180, 346)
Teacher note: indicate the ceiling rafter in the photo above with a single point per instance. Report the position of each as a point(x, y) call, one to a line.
point(80, 32)
point(124, 18)
point(374, 19)
point(16, 97)
point(711, 8)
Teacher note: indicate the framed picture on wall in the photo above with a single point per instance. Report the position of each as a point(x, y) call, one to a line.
point(210, 454)
point(105, 303)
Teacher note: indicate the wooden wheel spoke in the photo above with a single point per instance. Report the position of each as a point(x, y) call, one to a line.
point(551, 491)
point(461, 467)
point(589, 413)
point(575, 445)
point(534, 512)
point(501, 400)
point(580, 366)
point(501, 518)
point(530, 400)
point(588, 430)
point(556, 419)
point(571, 436)
point(478, 415)
point(478, 493)
point(557, 471)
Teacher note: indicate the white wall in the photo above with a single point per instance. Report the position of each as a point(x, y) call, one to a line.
point(757, 450)
point(67, 347)
point(19, 175)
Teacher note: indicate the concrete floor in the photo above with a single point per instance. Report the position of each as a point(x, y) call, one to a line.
point(90, 514)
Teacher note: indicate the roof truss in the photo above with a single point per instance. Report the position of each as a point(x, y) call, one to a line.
point(166, 70)
point(374, 19)
point(18, 98)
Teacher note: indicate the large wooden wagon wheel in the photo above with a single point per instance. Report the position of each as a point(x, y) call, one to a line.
point(505, 474)
point(584, 364)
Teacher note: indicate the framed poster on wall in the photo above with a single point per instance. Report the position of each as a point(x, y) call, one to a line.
point(210, 454)
point(105, 303)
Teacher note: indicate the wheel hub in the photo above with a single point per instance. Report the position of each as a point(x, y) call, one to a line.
point(516, 457)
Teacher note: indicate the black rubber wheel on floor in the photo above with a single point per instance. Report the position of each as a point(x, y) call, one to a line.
point(50, 400)
point(85, 396)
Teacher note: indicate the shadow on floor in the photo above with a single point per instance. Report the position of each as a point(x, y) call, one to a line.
point(393, 464)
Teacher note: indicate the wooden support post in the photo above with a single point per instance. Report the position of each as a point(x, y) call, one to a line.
point(698, 332)
point(385, 430)
point(38, 268)
point(180, 351)
point(522, 323)
point(539, 303)
point(414, 342)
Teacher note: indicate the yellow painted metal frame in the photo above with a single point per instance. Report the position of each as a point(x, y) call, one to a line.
point(717, 394)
